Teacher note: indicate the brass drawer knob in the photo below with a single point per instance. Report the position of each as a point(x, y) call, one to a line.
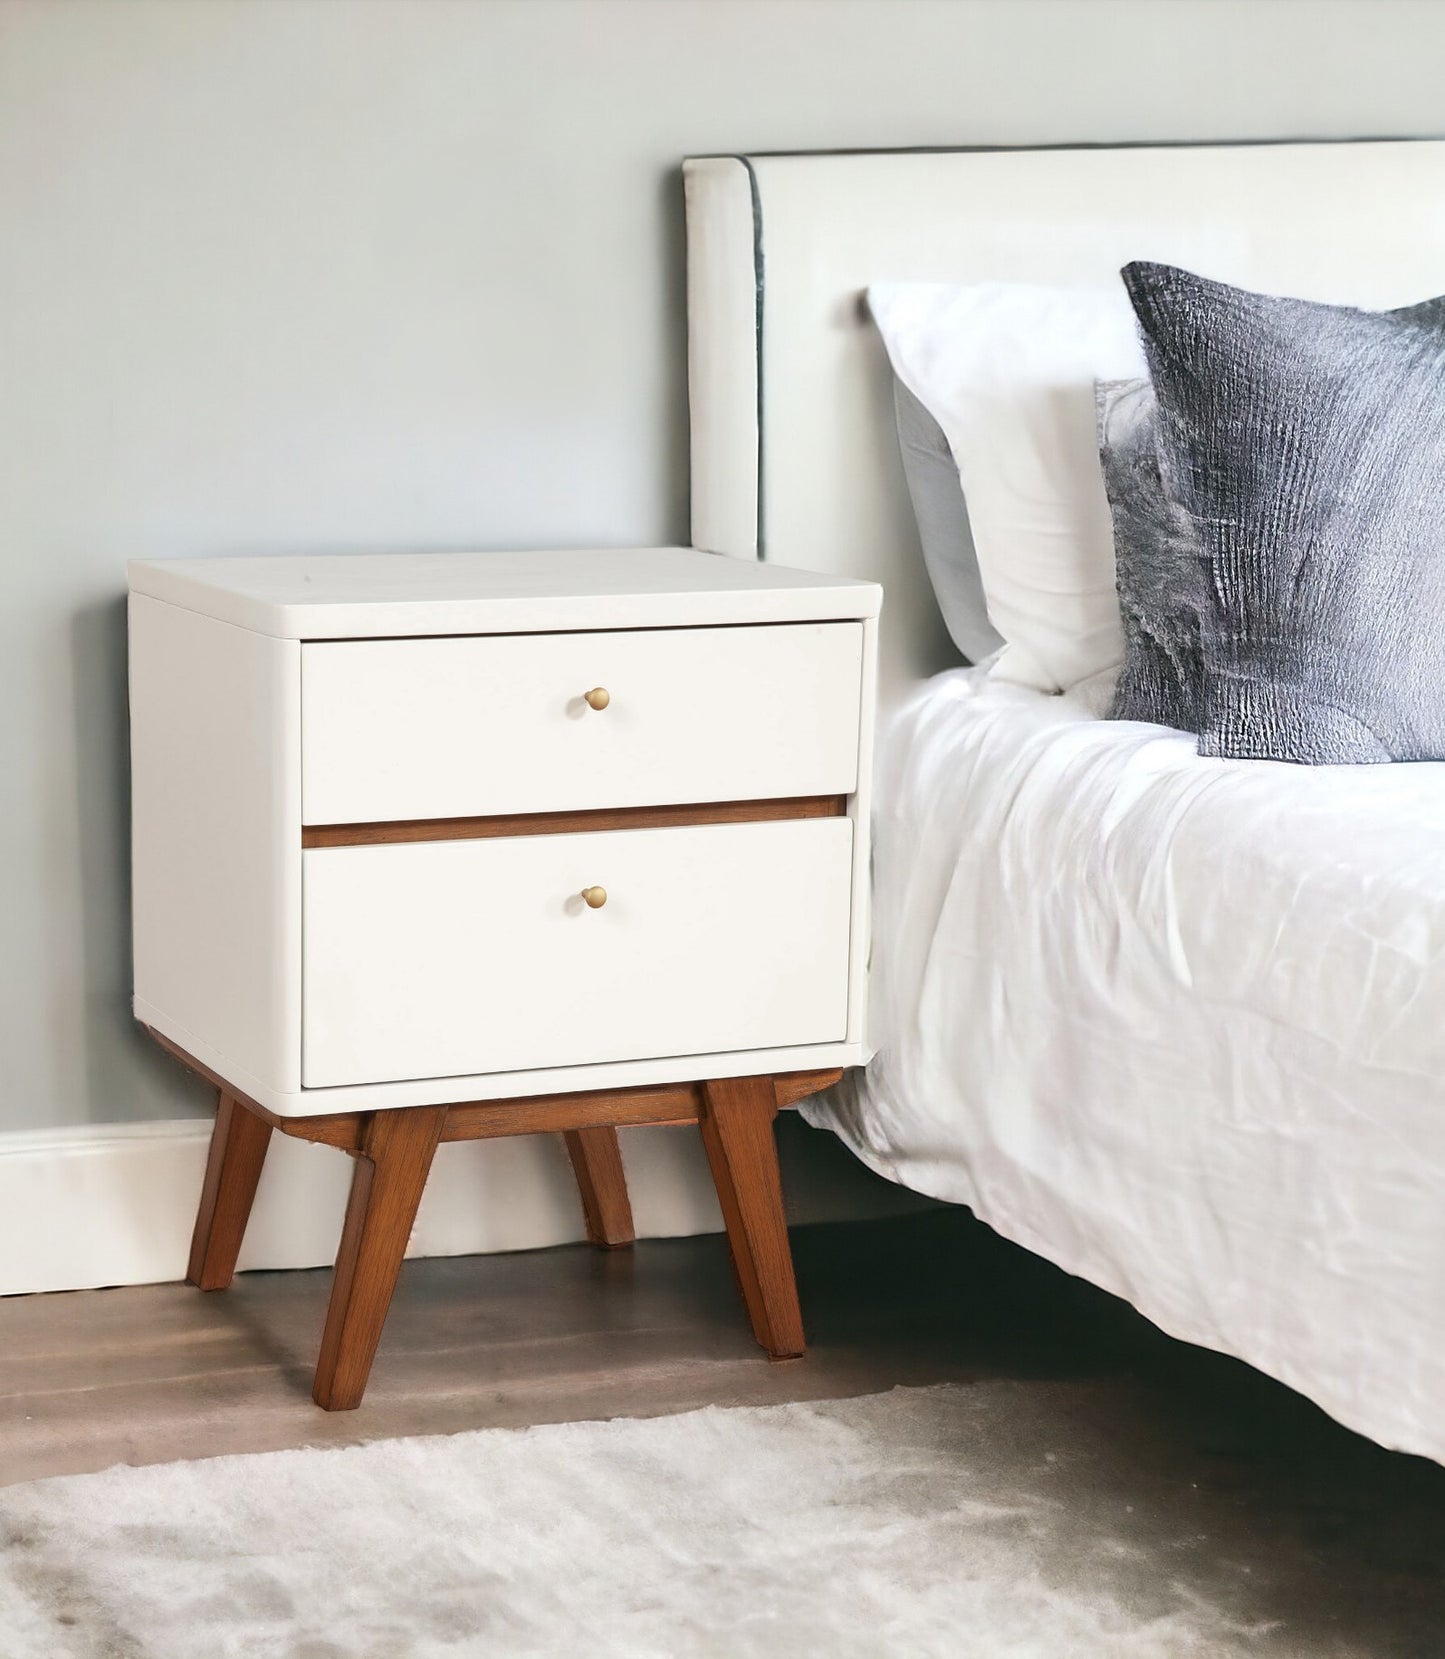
point(594, 897)
point(598, 698)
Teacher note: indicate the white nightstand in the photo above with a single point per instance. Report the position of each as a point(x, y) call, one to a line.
point(432, 847)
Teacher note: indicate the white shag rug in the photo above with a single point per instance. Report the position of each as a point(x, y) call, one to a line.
point(864, 1527)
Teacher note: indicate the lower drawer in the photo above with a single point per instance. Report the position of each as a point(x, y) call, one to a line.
point(443, 958)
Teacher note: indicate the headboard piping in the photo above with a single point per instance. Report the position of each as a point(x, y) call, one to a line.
point(758, 282)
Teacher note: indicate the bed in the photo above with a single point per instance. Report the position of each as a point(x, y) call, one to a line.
point(1176, 1024)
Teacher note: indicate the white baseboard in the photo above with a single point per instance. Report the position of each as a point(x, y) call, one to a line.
point(114, 1204)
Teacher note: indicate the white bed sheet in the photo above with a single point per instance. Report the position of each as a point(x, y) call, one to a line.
point(1177, 1025)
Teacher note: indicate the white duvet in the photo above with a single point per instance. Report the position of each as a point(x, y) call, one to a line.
point(1176, 1024)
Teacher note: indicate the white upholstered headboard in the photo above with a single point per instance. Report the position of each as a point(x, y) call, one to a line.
point(793, 451)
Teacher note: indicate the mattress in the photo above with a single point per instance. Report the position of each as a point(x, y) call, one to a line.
point(1177, 1025)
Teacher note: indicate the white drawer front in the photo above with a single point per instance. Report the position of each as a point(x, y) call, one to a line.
point(459, 728)
point(443, 958)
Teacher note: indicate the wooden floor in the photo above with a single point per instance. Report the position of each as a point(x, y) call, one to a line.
point(1331, 1525)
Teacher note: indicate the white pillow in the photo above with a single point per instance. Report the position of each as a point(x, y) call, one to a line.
point(1008, 371)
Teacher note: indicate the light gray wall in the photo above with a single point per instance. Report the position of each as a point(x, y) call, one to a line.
point(322, 274)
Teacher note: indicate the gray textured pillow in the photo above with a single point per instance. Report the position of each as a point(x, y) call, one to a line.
point(1161, 570)
point(1306, 445)
point(936, 491)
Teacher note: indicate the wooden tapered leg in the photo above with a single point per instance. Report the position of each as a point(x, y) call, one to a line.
point(597, 1164)
point(233, 1167)
point(737, 1130)
point(386, 1186)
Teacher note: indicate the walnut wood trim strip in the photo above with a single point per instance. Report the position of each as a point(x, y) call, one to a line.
point(341, 1129)
point(542, 1114)
point(659, 1104)
point(793, 1086)
point(563, 823)
point(470, 1120)
point(191, 1063)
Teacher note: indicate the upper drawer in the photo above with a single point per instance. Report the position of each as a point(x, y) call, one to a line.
point(468, 727)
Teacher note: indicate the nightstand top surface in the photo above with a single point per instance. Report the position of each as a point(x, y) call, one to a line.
point(371, 595)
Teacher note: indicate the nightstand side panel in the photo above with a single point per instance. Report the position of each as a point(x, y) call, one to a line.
point(216, 840)
point(860, 810)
